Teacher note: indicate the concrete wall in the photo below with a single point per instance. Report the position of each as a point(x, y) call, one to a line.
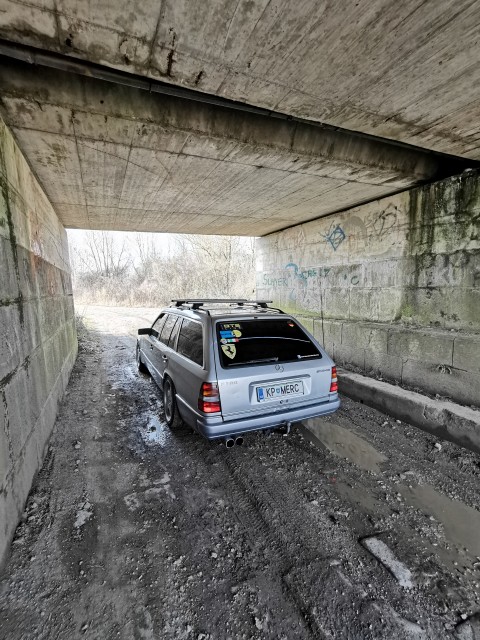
point(396, 281)
point(37, 332)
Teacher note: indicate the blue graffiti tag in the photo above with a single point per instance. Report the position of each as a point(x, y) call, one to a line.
point(292, 265)
point(335, 237)
point(303, 275)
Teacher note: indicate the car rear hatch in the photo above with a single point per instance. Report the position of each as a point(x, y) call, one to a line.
point(268, 365)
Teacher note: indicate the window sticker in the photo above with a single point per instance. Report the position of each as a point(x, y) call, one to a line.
point(234, 325)
point(230, 334)
point(229, 350)
point(228, 340)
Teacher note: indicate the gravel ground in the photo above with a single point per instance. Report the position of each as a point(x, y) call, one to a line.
point(132, 531)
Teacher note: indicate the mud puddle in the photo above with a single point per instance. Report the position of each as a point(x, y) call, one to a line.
point(127, 375)
point(152, 429)
point(344, 443)
point(363, 499)
point(461, 523)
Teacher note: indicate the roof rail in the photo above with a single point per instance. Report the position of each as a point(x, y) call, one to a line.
point(196, 303)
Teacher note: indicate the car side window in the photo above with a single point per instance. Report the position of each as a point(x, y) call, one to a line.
point(190, 341)
point(167, 328)
point(174, 334)
point(158, 324)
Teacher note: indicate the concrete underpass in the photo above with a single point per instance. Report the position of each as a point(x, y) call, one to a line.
point(348, 145)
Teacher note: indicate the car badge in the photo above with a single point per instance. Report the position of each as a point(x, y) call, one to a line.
point(229, 350)
point(278, 367)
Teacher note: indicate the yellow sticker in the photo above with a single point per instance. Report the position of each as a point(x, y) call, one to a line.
point(230, 350)
point(237, 333)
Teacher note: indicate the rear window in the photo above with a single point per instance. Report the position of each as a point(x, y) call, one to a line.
point(252, 342)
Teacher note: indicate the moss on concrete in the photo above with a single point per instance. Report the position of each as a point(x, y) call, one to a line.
point(4, 188)
point(430, 224)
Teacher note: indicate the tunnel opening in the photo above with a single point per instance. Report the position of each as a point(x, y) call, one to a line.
point(150, 270)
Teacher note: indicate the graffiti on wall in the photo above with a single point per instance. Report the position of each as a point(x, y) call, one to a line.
point(380, 224)
point(306, 274)
point(289, 240)
point(335, 236)
point(371, 230)
point(344, 252)
point(292, 273)
point(375, 233)
point(305, 286)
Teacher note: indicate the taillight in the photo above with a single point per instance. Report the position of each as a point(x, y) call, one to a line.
point(209, 398)
point(334, 383)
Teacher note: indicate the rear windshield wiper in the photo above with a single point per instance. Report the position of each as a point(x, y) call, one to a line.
point(310, 355)
point(258, 361)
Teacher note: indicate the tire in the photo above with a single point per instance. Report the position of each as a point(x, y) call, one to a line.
point(140, 366)
point(170, 409)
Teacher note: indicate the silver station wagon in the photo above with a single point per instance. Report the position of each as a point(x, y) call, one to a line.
point(227, 367)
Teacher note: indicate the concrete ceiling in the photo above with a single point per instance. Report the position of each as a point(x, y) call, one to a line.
point(118, 157)
point(406, 70)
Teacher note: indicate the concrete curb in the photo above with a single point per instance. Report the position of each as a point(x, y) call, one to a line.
point(443, 419)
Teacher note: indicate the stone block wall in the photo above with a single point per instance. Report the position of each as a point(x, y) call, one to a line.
point(391, 287)
point(38, 343)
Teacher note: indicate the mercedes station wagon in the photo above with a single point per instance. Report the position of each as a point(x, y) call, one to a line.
point(227, 367)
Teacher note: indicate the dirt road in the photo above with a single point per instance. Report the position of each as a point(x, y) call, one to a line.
point(134, 532)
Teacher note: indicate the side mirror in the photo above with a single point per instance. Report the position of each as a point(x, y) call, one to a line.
point(144, 332)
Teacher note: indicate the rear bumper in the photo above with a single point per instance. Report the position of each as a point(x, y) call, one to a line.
point(216, 427)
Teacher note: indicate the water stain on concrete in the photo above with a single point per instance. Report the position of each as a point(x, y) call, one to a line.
point(345, 444)
point(461, 523)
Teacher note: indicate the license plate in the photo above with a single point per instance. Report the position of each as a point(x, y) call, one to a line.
point(273, 391)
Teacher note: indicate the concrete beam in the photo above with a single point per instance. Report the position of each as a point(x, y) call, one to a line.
point(116, 157)
point(407, 71)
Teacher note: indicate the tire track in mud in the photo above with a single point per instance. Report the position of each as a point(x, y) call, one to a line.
point(328, 592)
point(296, 561)
point(256, 564)
point(310, 575)
point(253, 513)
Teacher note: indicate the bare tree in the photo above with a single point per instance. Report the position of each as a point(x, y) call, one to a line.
point(199, 266)
point(104, 255)
point(225, 264)
point(147, 254)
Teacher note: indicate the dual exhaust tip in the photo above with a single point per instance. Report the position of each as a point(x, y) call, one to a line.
point(231, 442)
